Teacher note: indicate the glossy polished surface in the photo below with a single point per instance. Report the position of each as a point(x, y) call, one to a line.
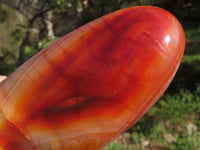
point(91, 85)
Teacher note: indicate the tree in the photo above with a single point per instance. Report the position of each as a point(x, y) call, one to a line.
point(31, 10)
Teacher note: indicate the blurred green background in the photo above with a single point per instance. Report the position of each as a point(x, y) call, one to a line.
point(173, 123)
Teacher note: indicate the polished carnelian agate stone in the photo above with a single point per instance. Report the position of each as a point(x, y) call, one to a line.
point(91, 85)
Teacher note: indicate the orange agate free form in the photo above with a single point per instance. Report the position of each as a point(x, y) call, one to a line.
point(90, 86)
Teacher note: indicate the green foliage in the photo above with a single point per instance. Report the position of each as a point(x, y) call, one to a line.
point(188, 141)
point(115, 146)
point(18, 32)
point(137, 137)
point(177, 105)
